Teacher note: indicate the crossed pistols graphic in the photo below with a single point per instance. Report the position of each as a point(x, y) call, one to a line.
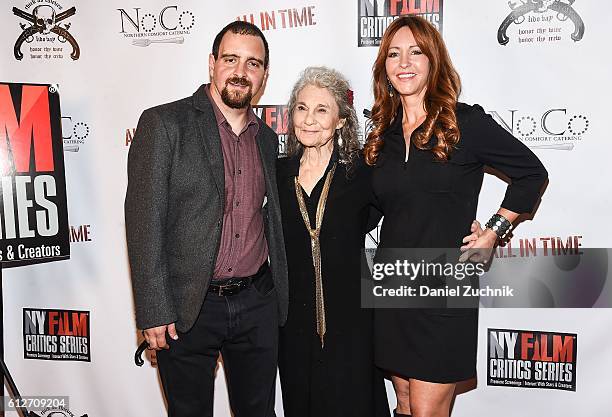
point(44, 20)
point(564, 11)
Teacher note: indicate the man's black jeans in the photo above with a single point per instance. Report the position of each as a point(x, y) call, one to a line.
point(244, 328)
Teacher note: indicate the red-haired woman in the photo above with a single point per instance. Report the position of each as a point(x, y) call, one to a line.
point(430, 151)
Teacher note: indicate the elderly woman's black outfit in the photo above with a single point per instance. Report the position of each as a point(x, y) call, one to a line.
point(431, 204)
point(338, 379)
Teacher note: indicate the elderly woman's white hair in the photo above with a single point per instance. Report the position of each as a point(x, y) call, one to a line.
point(340, 89)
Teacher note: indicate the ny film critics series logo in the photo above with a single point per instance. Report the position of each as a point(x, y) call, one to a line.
point(45, 31)
point(54, 334)
point(557, 128)
point(540, 21)
point(531, 359)
point(376, 15)
point(276, 116)
point(144, 27)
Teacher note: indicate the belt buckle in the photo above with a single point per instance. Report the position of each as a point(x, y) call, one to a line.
point(224, 286)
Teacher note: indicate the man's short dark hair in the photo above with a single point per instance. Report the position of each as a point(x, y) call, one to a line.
point(241, 28)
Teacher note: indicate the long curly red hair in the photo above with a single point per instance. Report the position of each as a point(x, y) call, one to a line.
point(441, 95)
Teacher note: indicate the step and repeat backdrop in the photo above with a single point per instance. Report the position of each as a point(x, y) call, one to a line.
point(540, 68)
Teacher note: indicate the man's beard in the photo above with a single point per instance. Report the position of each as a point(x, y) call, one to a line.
point(237, 99)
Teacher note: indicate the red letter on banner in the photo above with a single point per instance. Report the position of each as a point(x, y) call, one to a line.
point(79, 324)
point(53, 322)
point(35, 121)
point(563, 351)
point(526, 345)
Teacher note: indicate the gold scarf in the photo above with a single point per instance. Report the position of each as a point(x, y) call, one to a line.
point(316, 246)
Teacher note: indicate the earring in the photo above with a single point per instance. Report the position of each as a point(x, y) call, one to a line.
point(389, 87)
point(340, 141)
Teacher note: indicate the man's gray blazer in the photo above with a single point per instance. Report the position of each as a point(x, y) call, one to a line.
point(174, 211)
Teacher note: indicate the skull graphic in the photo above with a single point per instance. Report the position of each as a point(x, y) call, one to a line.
point(540, 5)
point(543, 5)
point(45, 18)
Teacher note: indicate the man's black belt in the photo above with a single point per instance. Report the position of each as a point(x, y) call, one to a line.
point(232, 286)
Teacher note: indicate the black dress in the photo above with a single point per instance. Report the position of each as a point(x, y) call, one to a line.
point(340, 379)
point(431, 204)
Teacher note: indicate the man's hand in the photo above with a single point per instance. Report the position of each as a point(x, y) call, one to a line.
point(152, 356)
point(156, 336)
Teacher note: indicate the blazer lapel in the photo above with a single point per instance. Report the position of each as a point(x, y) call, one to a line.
point(209, 132)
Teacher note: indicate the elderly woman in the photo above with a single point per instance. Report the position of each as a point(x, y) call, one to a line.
point(326, 352)
point(430, 151)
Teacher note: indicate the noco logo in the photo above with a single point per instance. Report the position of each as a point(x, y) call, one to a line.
point(145, 27)
point(555, 128)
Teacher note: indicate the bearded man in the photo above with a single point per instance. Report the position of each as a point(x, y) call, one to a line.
point(204, 235)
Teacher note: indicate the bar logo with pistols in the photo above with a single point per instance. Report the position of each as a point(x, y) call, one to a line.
point(45, 30)
point(541, 21)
